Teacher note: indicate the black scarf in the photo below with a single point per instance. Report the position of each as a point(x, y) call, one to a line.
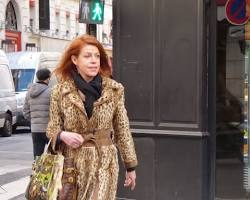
point(91, 90)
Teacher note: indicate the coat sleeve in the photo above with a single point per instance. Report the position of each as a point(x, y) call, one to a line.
point(26, 107)
point(122, 133)
point(55, 124)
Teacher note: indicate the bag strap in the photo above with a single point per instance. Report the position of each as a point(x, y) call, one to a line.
point(48, 148)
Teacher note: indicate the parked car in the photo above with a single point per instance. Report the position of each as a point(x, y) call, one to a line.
point(8, 105)
point(23, 66)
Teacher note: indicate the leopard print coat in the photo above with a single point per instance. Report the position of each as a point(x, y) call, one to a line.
point(67, 113)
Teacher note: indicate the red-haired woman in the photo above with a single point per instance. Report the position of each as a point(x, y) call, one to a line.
point(88, 117)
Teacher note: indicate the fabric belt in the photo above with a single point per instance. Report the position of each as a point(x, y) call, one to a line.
point(98, 138)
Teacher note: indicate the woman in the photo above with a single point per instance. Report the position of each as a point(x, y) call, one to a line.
point(86, 107)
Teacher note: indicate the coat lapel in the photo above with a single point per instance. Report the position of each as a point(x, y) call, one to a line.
point(71, 92)
point(106, 93)
point(77, 101)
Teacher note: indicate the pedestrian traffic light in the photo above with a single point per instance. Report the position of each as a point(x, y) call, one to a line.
point(91, 11)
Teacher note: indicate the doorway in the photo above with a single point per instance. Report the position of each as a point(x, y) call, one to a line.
point(232, 110)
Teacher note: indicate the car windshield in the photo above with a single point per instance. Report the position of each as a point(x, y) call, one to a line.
point(22, 78)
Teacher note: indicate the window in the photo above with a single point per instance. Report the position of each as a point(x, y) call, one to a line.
point(22, 78)
point(57, 30)
point(232, 110)
point(10, 15)
point(67, 32)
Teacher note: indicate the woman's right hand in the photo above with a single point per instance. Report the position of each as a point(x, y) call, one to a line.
point(72, 139)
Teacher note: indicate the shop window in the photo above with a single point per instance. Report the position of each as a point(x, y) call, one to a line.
point(232, 110)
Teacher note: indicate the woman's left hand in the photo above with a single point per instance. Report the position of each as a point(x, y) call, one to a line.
point(130, 180)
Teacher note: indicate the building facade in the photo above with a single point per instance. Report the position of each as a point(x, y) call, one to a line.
point(19, 25)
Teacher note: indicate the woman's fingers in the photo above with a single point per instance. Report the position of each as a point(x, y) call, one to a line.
point(80, 138)
point(130, 183)
point(127, 182)
point(77, 142)
point(133, 185)
point(130, 180)
point(72, 139)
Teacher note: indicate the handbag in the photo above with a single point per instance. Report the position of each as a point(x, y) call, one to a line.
point(45, 181)
point(69, 187)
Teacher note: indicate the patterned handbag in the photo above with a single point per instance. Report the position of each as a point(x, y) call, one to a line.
point(45, 181)
point(69, 187)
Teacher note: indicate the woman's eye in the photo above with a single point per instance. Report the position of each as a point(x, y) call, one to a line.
point(92, 55)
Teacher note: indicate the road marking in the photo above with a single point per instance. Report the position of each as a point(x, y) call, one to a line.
point(16, 152)
point(12, 168)
point(14, 188)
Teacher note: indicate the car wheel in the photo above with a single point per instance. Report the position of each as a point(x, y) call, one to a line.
point(7, 128)
point(14, 128)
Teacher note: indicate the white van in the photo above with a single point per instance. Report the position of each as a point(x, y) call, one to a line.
point(8, 106)
point(23, 66)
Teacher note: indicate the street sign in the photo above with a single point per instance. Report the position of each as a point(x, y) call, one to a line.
point(91, 11)
point(236, 12)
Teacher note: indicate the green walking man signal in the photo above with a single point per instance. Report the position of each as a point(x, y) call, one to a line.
point(97, 12)
point(91, 11)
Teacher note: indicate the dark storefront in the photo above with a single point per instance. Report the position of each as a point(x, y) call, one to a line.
point(185, 66)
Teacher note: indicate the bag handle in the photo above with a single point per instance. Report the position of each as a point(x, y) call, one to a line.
point(48, 148)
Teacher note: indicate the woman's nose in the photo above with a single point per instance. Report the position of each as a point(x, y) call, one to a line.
point(93, 59)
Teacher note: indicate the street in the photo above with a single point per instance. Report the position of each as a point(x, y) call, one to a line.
point(15, 164)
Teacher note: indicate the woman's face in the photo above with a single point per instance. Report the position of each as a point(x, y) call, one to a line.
point(87, 62)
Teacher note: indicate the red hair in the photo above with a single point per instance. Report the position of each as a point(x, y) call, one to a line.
point(63, 70)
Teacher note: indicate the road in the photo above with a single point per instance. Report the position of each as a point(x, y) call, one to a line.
point(15, 164)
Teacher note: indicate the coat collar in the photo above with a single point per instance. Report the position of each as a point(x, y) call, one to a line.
point(69, 89)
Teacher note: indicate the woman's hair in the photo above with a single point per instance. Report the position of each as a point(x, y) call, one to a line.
point(63, 70)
